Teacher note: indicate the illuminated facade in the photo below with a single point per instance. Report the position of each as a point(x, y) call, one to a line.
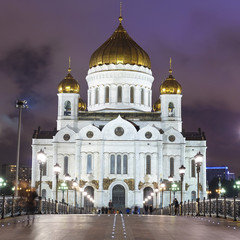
point(120, 149)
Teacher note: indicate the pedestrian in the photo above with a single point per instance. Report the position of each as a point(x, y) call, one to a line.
point(151, 209)
point(103, 210)
point(31, 204)
point(110, 206)
point(106, 210)
point(176, 205)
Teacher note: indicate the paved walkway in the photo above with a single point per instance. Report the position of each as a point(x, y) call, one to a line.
point(92, 227)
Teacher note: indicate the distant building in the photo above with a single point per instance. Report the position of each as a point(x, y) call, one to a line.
point(9, 174)
point(219, 172)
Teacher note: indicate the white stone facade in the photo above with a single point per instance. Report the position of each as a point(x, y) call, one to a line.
point(147, 145)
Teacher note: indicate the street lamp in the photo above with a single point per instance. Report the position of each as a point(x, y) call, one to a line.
point(182, 170)
point(57, 170)
point(67, 179)
point(75, 185)
point(156, 192)
point(170, 179)
point(63, 187)
point(20, 104)
point(81, 192)
point(2, 184)
point(237, 186)
point(198, 160)
point(162, 187)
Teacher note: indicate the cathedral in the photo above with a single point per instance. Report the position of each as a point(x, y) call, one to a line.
point(119, 146)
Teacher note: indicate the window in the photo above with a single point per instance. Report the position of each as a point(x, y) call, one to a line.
point(193, 168)
point(118, 164)
point(44, 169)
point(89, 164)
point(112, 164)
point(44, 193)
point(67, 108)
point(149, 100)
point(119, 91)
point(107, 95)
point(125, 164)
point(170, 109)
point(172, 167)
point(132, 95)
point(65, 170)
point(148, 164)
point(142, 96)
point(96, 96)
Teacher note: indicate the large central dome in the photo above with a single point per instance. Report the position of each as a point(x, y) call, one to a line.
point(120, 48)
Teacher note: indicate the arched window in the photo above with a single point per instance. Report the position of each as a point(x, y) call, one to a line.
point(44, 193)
point(125, 164)
point(148, 164)
point(142, 96)
point(107, 94)
point(193, 168)
point(149, 100)
point(119, 164)
point(119, 90)
point(132, 95)
point(67, 108)
point(65, 170)
point(112, 164)
point(96, 96)
point(171, 109)
point(193, 195)
point(44, 169)
point(89, 164)
point(171, 166)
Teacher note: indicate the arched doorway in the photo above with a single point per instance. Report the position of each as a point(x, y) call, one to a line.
point(88, 204)
point(193, 195)
point(118, 197)
point(146, 193)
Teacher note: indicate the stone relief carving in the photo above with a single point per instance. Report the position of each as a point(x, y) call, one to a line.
point(140, 185)
point(200, 187)
point(130, 182)
point(155, 185)
point(82, 183)
point(95, 183)
point(186, 186)
point(107, 182)
point(49, 183)
point(37, 183)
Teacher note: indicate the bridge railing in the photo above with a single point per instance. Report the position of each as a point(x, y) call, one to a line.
point(218, 207)
point(11, 206)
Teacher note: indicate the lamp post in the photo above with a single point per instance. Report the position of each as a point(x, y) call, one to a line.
point(81, 193)
point(75, 185)
point(182, 170)
point(63, 187)
point(162, 187)
point(198, 161)
point(57, 170)
point(42, 158)
point(170, 179)
point(20, 104)
point(67, 179)
point(156, 192)
point(2, 184)
point(237, 186)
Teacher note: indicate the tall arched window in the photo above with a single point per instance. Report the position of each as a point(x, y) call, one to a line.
point(67, 108)
point(171, 166)
point(96, 96)
point(119, 164)
point(132, 95)
point(125, 164)
point(171, 109)
point(112, 164)
point(65, 170)
point(193, 168)
point(107, 94)
point(44, 193)
point(89, 164)
point(148, 164)
point(142, 96)
point(119, 91)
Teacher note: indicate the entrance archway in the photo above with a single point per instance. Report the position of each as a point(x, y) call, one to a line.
point(147, 192)
point(118, 197)
point(87, 203)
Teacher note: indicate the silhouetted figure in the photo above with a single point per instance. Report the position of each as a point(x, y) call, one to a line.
point(31, 204)
point(176, 205)
point(110, 206)
point(151, 209)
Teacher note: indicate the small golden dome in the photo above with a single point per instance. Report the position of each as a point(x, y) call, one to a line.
point(157, 106)
point(81, 105)
point(69, 84)
point(120, 48)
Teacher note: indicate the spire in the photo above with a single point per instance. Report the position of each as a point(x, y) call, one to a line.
point(120, 17)
point(170, 69)
point(69, 65)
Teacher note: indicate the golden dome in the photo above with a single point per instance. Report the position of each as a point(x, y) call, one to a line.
point(120, 48)
point(69, 84)
point(157, 106)
point(170, 85)
point(81, 105)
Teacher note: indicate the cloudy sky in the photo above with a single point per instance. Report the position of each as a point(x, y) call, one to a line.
point(202, 37)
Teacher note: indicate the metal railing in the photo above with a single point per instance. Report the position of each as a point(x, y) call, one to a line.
point(218, 207)
point(11, 206)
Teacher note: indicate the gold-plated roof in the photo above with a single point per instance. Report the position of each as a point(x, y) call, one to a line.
point(170, 85)
point(157, 106)
point(120, 48)
point(81, 105)
point(69, 84)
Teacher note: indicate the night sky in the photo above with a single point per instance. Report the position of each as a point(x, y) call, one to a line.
point(202, 37)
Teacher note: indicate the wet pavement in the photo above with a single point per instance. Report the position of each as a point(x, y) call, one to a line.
point(108, 227)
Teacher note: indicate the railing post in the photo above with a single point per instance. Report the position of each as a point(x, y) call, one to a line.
point(3, 205)
point(217, 207)
point(188, 207)
point(204, 207)
point(12, 210)
point(192, 207)
point(225, 207)
point(234, 209)
point(210, 207)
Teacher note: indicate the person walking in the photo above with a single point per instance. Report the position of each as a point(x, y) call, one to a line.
point(110, 206)
point(176, 205)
